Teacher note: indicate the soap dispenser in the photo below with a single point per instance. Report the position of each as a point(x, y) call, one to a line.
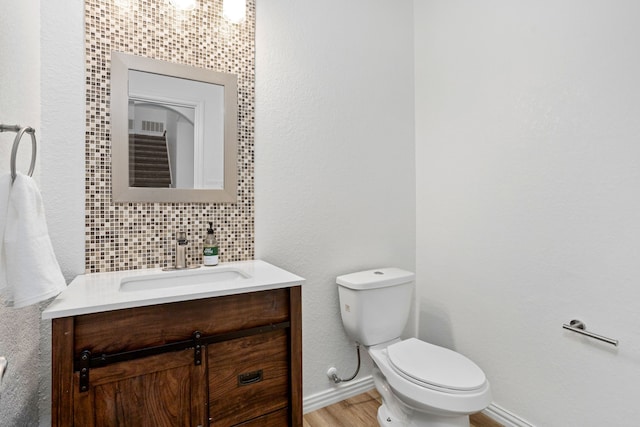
point(210, 248)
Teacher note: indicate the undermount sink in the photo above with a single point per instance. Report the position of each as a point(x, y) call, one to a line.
point(117, 290)
point(182, 278)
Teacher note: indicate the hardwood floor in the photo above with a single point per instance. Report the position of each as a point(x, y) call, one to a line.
point(361, 410)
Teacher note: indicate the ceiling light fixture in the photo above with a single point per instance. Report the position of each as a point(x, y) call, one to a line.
point(124, 4)
point(183, 4)
point(234, 10)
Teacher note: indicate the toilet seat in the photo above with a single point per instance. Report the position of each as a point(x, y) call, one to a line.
point(422, 396)
point(435, 367)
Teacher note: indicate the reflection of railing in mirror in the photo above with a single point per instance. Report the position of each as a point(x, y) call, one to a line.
point(149, 161)
point(166, 146)
point(176, 123)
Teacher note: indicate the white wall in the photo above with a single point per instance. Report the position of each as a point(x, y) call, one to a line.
point(334, 155)
point(62, 148)
point(19, 104)
point(62, 153)
point(42, 85)
point(528, 189)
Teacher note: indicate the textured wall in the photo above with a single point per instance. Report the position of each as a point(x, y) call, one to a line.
point(334, 155)
point(19, 104)
point(141, 235)
point(62, 133)
point(528, 198)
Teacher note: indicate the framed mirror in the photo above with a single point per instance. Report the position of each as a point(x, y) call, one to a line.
point(174, 132)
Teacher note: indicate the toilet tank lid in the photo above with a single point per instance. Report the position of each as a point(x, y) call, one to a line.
point(376, 278)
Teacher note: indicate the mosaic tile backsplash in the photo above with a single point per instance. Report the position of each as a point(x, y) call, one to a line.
point(123, 236)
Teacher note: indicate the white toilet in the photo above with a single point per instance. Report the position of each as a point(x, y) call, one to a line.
point(421, 384)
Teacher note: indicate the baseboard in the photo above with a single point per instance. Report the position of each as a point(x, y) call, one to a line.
point(336, 394)
point(353, 388)
point(505, 417)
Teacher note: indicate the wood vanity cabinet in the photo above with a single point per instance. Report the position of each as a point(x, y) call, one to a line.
point(225, 361)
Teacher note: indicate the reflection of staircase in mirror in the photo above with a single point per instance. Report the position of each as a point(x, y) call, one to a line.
point(148, 161)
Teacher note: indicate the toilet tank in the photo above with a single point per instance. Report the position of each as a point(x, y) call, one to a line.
point(375, 304)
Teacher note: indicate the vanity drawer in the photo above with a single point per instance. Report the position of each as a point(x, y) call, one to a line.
point(278, 418)
point(248, 377)
point(135, 328)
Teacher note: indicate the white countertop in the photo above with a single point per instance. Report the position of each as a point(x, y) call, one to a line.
point(92, 293)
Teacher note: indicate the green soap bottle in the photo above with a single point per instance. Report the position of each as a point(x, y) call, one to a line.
point(210, 248)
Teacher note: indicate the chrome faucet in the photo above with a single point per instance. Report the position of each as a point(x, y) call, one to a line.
point(181, 254)
point(181, 250)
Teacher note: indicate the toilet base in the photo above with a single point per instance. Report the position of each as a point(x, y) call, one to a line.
point(385, 419)
point(420, 419)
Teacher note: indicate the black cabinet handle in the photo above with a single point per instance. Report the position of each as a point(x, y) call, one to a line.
point(250, 378)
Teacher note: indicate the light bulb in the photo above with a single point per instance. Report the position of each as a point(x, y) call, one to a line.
point(234, 10)
point(183, 4)
point(123, 4)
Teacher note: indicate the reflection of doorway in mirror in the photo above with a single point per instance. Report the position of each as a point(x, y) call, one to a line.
point(198, 163)
point(161, 144)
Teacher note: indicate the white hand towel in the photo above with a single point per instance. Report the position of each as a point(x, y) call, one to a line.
point(5, 188)
point(33, 273)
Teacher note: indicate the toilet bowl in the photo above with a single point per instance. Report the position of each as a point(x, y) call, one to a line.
point(421, 384)
point(430, 385)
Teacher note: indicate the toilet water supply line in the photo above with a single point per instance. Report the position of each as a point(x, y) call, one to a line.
point(332, 373)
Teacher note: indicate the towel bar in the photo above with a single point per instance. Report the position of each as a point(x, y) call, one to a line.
point(20, 131)
point(579, 327)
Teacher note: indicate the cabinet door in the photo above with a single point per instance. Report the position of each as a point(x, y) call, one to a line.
point(163, 390)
